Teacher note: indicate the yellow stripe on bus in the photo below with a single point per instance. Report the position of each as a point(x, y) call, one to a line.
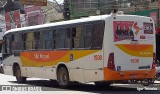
point(140, 50)
point(51, 58)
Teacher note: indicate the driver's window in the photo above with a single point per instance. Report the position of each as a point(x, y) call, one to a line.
point(6, 45)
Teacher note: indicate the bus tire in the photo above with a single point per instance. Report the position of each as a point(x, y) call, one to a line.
point(102, 83)
point(63, 77)
point(145, 82)
point(1, 70)
point(19, 78)
point(132, 81)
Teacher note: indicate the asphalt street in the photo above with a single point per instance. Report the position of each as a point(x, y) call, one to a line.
point(44, 85)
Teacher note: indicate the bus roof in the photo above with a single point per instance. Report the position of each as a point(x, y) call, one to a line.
point(91, 18)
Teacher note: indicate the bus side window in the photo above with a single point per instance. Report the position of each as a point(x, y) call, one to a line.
point(68, 37)
point(73, 34)
point(88, 34)
point(36, 40)
point(6, 45)
point(24, 37)
point(97, 39)
point(30, 41)
point(60, 38)
point(13, 42)
point(48, 39)
point(54, 38)
point(41, 41)
point(17, 41)
point(78, 36)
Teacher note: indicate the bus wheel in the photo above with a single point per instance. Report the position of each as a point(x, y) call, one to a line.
point(63, 77)
point(132, 81)
point(145, 82)
point(1, 70)
point(19, 78)
point(102, 83)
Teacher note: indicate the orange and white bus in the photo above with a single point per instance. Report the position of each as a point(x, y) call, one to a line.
point(100, 49)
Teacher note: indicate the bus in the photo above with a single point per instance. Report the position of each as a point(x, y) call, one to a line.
point(101, 49)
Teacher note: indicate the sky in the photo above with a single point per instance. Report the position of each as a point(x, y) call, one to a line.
point(59, 1)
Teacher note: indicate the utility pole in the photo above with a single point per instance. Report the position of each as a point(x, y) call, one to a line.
point(158, 14)
point(66, 12)
point(99, 7)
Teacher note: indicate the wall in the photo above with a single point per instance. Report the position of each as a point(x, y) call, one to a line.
point(33, 15)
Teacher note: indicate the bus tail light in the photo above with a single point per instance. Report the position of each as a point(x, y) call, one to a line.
point(111, 64)
point(154, 61)
point(153, 66)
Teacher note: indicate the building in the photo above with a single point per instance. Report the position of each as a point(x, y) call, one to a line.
point(52, 12)
point(36, 15)
point(2, 26)
point(80, 8)
point(33, 15)
point(17, 16)
point(10, 15)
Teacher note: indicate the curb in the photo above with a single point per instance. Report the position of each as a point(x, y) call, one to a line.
point(156, 82)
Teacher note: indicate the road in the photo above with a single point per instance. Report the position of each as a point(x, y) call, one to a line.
point(46, 86)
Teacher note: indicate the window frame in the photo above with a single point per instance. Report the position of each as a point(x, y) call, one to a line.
point(65, 27)
point(103, 30)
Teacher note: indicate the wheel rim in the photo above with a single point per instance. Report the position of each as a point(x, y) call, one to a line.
point(63, 77)
point(145, 82)
point(18, 76)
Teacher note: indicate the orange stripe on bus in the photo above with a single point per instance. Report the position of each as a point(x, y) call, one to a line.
point(140, 50)
point(44, 56)
point(111, 75)
point(136, 47)
point(51, 58)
